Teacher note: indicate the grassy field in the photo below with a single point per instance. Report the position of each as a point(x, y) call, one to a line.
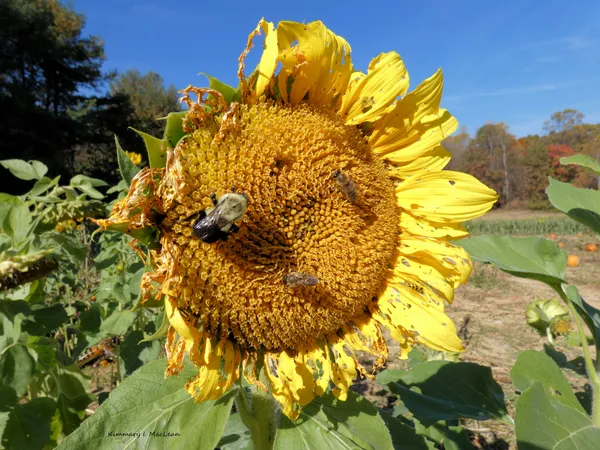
point(489, 311)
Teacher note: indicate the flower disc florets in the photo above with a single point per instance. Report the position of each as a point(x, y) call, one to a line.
point(298, 220)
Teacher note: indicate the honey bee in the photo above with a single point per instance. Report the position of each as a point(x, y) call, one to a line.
point(294, 279)
point(102, 353)
point(346, 184)
point(217, 223)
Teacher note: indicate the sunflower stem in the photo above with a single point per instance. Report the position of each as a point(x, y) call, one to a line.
point(589, 364)
point(258, 411)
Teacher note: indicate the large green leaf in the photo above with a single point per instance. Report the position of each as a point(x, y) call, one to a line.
point(530, 257)
point(451, 437)
point(117, 323)
point(80, 180)
point(236, 436)
point(174, 128)
point(12, 313)
point(134, 354)
point(448, 390)
point(582, 205)
point(147, 411)
point(582, 160)
point(43, 319)
point(404, 437)
point(545, 422)
point(127, 168)
point(15, 218)
point(8, 401)
point(28, 425)
point(328, 423)
point(156, 148)
point(70, 388)
point(532, 366)
point(16, 368)
point(33, 170)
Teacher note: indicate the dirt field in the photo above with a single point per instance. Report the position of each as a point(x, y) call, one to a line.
point(493, 305)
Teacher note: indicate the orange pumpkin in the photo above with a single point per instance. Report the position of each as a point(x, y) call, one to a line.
point(573, 261)
point(591, 247)
point(553, 236)
point(579, 234)
point(560, 245)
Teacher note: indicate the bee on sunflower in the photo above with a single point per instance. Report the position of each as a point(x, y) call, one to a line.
point(341, 176)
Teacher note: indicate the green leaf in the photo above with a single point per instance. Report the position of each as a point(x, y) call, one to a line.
point(545, 422)
point(532, 366)
point(91, 192)
point(174, 128)
point(8, 401)
point(582, 205)
point(127, 168)
point(15, 218)
point(156, 148)
point(448, 390)
point(42, 185)
point(134, 353)
point(590, 314)
point(44, 351)
point(28, 425)
point(81, 180)
point(90, 320)
point(70, 388)
point(404, 437)
point(12, 314)
point(227, 91)
point(146, 405)
point(451, 437)
point(530, 257)
point(236, 436)
point(582, 160)
point(161, 331)
point(328, 423)
point(24, 170)
point(117, 323)
point(16, 368)
point(44, 319)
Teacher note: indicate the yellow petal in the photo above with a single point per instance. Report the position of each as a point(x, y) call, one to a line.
point(365, 335)
point(291, 383)
point(405, 310)
point(399, 127)
point(368, 96)
point(419, 226)
point(319, 63)
point(433, 160)
point(432, 130)
point(314, 357)
point(343, 366)
point(445, 197)
point(452, 261)
point(413, 267)
point(268, 60)
point(218, 375)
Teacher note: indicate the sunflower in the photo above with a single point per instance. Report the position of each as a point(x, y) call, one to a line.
point(134, 157)
point(342, 172)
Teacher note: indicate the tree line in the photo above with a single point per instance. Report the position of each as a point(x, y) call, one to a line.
point(57, 103)
point(518, 168)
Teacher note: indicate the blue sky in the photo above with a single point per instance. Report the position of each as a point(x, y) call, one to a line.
point(511, 61)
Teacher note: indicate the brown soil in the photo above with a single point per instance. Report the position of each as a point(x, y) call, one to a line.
point(493, 305)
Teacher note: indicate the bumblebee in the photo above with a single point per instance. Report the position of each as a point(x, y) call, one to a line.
point(102, 353)
point(217, 223)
